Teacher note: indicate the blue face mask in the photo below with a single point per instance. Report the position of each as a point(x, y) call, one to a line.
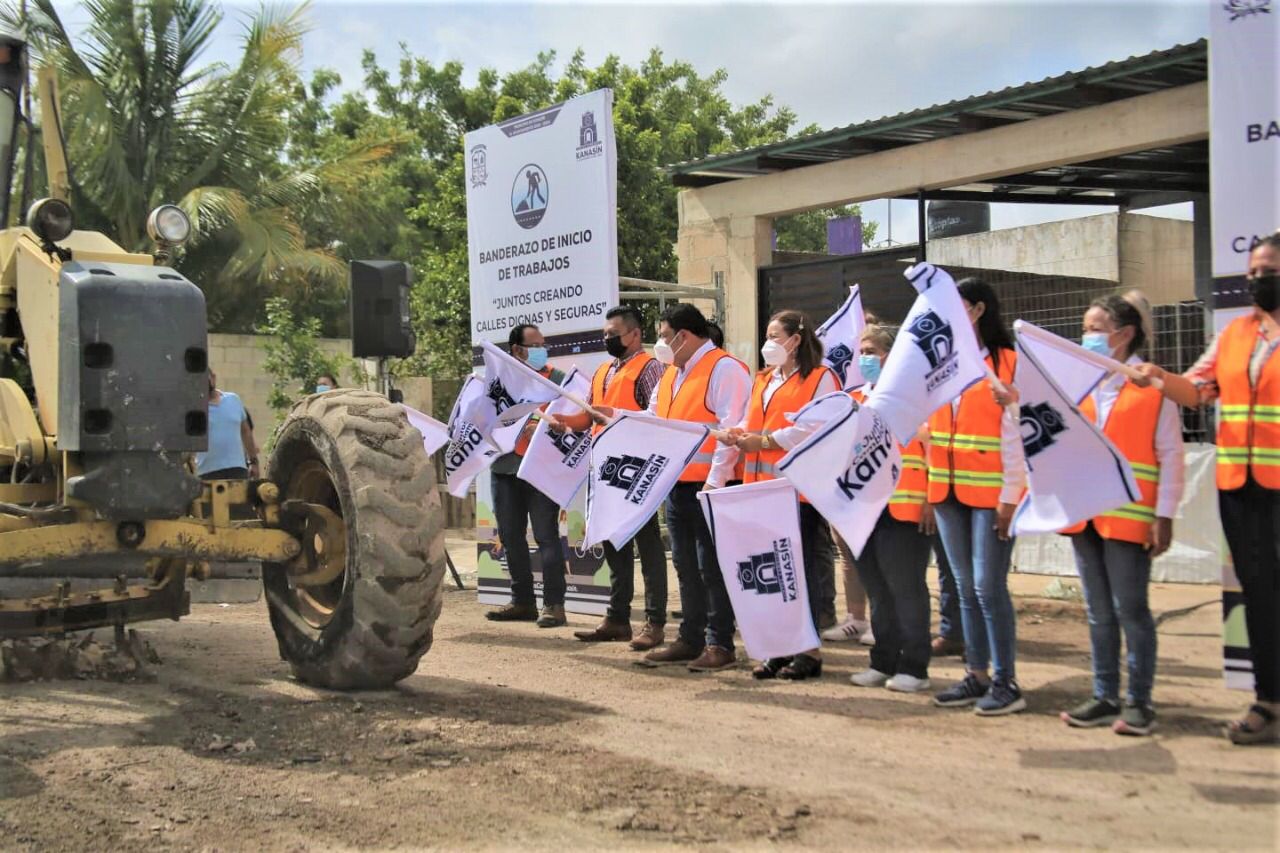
point(537, 357)
point(320, 389)
point(869, 365)
point(1096, 342)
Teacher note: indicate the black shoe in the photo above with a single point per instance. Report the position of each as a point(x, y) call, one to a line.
point(514, 613)
point(1135, 719)
point(1095, 712)
point(961, 695)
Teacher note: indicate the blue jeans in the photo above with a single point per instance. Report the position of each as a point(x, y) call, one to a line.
point(1115, 576)
point(949, 626)
point(980, 563)
point(704, 601)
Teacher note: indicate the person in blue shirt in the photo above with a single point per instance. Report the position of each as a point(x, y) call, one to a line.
point(232, 454)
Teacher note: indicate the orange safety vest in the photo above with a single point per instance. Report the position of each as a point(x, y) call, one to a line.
point(621, 393)
point(1131, 426)
point(1249, 429)
point(792, 395)
point(964, 447)
point(690, 404)
point(907, 501)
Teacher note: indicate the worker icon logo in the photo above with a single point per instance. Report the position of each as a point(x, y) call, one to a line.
point(1040, 423)
point(839, 357)
point(530, 193)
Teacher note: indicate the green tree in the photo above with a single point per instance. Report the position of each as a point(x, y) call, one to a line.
point(147, 123)
point(294, 355)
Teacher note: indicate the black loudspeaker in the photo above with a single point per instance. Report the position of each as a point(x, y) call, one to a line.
point(380, 323)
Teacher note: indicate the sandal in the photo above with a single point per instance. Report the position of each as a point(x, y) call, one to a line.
point(1242, 734)
point(770, 668)
point(802, 666)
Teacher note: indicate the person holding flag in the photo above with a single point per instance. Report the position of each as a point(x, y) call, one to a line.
point(793, 376)
point(517, 504)
point(977, 474)
point(895, 559)
point(1114, 550)
point(705, 385)
point(1240, 370)
point(627, 381)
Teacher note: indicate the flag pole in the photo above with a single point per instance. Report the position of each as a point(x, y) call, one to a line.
point(1111, 365)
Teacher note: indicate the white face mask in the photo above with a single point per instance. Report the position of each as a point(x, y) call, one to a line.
point(663, 352)
point(774, 353)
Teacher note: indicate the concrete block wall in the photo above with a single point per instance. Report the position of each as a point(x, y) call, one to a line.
point(237, 360)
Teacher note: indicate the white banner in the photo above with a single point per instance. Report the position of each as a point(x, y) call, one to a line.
point(541, 220)
point(556, 464)
point(512, 391)
point(1074, 472)
point(1075, 370)
point(840, 336)
point(635, 462)
point(850, 496)
point(763, 565)
point(435, 435)
point(469, 452)
point(934, 358)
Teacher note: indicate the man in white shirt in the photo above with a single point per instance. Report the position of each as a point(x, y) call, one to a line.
point(704, 384)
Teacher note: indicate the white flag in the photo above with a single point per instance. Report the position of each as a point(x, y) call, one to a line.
point(556, 464)
point(1074, 472)
point(468, 452)
point(435, 435)
point(635, 462)
point(840, 336)
point(512, 388)
point(1075, 370)
point(763, 565)
point(935, 357)
point(849, 496)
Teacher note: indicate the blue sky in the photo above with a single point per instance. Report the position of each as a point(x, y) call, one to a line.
point(833, 63)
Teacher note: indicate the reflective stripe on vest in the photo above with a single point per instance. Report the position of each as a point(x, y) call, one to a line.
point(964, 447)
point(790, 396)
point(689, 403)
point(1249, 416)
point(1131, 426)
point(621, 393)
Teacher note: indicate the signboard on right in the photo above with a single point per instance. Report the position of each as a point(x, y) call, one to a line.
point(1244, 169)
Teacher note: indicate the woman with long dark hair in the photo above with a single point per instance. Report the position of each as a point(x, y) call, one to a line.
point(1241, 371)
point(976, 476)
point(793, 376)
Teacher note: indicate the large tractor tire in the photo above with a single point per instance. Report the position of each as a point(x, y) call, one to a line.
point(353, 475)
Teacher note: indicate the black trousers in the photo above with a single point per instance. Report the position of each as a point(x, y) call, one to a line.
point(516, 504)
point(1251, 523)
point(622, 570)
point(892, 568)
point(819, 562)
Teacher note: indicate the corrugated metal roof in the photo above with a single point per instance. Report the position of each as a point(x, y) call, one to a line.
point(1178, 169)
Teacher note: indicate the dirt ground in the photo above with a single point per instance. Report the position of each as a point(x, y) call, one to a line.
point(512, 736)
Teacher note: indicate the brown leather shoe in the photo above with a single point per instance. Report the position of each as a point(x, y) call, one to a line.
point(651, 636)
point(514, 613)
point(552, 616)
point(606, 632)
point(677, 653)
point(714, 658)
point(945, 647)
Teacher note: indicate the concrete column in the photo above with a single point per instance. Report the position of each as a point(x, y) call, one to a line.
point(736, 246)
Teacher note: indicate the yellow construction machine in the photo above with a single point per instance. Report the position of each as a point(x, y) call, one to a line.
point(104, 379)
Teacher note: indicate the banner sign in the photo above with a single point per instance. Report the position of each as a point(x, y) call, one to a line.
point(1244, 171)
point(542, 223)
point(763, 565)
point(841, 336)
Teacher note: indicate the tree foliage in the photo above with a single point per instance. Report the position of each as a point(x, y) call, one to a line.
point(294, 357)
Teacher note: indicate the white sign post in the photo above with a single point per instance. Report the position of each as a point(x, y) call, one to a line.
point(542, 229)
point(542, 240)
point(1244, 171)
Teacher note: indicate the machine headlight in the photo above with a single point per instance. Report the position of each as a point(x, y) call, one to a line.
point(51, 219)
point(168, 225)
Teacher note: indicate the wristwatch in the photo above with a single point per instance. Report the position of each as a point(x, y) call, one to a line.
point(766, 441)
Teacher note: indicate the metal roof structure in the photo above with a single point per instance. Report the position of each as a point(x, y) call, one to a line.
point(1179, 169)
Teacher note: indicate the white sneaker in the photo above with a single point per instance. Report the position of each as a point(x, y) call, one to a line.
point(903, 683)
point(867, 638)
point(849, 629)
point(869, 678)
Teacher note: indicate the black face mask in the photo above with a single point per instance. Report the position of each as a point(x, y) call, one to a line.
point(1265, 290)
point(614, 346)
